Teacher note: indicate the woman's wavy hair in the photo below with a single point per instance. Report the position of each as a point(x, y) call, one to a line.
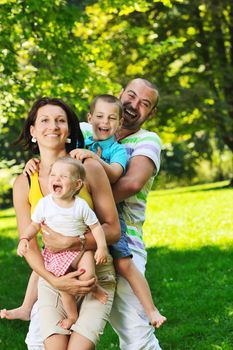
point(76, 135)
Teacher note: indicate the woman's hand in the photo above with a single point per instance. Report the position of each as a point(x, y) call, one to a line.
point(57, 242)
point(31, 166)
point(71, 284)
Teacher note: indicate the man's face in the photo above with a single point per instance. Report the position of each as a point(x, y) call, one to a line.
point(138, 102)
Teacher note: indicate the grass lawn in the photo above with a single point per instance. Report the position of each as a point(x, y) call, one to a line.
point(189, 239)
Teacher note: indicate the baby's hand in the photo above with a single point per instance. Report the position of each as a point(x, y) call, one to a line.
point(101, 256)
point(82, 154)
point(31, 167)
point(23, 247)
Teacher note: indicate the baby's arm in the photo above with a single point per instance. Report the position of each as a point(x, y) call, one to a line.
point(113, 170)
point(29, 233)
point(102, 250)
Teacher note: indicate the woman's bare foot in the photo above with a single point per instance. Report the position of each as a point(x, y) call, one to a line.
point(100, 294)
point(156, 319)
point(20, 313)
point(67, 323)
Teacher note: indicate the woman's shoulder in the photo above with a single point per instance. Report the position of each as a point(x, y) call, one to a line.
point(21, 181)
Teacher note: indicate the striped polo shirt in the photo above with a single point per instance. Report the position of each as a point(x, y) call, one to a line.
point(141, 143)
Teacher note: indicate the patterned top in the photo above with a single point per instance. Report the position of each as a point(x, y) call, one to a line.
point(141, 143)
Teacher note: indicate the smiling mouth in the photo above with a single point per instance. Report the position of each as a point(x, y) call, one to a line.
point(130, 113)
point(103, 129)
point(57, 188)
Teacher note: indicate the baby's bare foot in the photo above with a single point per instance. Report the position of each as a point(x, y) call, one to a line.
point(156, 319)
point(66, 323)
point(19, 313)
point(100, 294)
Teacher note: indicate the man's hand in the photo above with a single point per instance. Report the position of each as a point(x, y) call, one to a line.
point(31, 166)
point(57, 242)
point(71, 284)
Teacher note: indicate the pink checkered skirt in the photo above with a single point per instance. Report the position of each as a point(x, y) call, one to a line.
point(58, 263)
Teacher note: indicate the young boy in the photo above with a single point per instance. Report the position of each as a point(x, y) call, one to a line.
point(63, 211)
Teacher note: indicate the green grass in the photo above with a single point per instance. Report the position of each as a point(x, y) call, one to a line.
point(189, 240)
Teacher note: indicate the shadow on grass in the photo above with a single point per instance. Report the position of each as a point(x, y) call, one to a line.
point(192, 288)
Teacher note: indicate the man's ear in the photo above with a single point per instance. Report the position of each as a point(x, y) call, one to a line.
point(152, 113)
point(89, 117)
point(120, 94)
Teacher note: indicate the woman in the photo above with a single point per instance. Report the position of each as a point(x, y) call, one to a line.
point(52, 128)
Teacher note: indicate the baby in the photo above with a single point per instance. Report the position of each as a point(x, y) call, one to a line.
point(63, 211)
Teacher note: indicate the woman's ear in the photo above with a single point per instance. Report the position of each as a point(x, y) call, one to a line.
point(32, 130)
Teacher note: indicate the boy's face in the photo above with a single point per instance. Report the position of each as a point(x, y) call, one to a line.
point(63, 183)
point(104, 120)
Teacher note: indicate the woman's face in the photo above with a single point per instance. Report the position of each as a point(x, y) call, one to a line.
point(51, 126)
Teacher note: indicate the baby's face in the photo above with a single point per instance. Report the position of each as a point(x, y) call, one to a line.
point(104, 120)
point(62, 181)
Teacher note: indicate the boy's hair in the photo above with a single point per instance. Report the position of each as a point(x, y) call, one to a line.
point(79, 170)
point(109, 99)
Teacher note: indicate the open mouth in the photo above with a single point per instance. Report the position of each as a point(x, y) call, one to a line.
point(128, 112)
point(103, 130)
point(57, 188)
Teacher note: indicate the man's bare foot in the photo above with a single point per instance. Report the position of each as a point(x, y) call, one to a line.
point(100, 294)
point(156, 319)
point(67, 323)
point(19, 313)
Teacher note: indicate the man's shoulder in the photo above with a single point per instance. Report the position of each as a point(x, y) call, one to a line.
point(143, 135)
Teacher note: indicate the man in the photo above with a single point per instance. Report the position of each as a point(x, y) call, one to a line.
point(139, 99)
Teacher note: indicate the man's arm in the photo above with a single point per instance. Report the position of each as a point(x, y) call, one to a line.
point(140, 169)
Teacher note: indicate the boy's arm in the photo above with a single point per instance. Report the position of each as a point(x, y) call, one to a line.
point(113, 170)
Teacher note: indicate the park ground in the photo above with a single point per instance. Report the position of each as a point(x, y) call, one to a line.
point(189, 240)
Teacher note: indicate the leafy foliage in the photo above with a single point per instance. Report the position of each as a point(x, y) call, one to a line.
point(77, 49)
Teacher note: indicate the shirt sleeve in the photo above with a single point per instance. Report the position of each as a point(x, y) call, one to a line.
point(119, 155)
point(149, 146)
point(38, 214)
point(88, 214)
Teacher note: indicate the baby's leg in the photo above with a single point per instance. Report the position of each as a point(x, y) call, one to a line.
point(87, 263)
point(70, 306)
point(126, 268)
point(24, 311)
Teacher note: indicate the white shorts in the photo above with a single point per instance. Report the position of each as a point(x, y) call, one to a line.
point(128, 318)
point(33, 339)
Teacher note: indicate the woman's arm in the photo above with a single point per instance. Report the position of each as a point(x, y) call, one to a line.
point(34, 258)
point(104, 205)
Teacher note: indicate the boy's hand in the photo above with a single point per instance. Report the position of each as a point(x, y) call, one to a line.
point(82, 154)
point(31, 166)
point(101, 256)
point(23, 247)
